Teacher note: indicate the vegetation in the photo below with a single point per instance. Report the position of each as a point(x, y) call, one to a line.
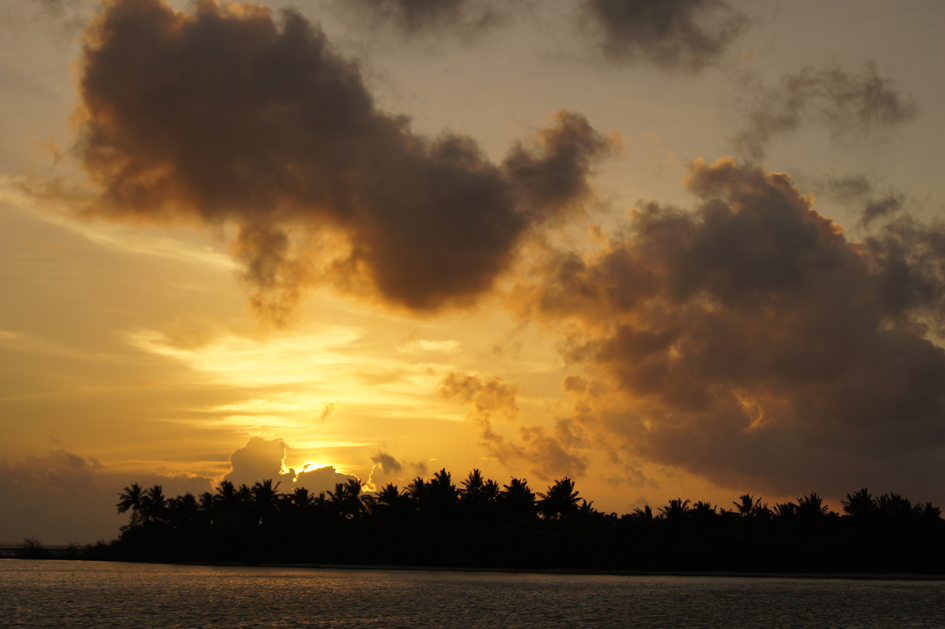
point(433, 522)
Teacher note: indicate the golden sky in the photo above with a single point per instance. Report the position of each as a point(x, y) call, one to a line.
point(687, 248)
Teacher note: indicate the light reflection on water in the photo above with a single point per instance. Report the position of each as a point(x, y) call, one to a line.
point(78, 594)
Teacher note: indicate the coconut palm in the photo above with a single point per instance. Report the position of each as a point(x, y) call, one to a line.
point(517, 500)
point(182, 509)
point(154, 505)
point(346, 499)
point(677, 511)
point(860, 505)
point(811, 508)
point(130, 499)
point(560, 500)
point(265, 499)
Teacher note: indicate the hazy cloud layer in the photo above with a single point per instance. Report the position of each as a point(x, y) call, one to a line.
point(689, 34)
point(852, 106)
point(752, 343)
point(63, 498)
point(411, 18)
point(549, 456)
point(222, 116)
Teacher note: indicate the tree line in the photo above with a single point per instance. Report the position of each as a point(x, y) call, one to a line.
point(434, 522)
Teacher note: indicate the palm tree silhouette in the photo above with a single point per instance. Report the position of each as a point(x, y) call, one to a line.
point(154, 505)
point(560, 501)
point(130, 499)
point(676, 511)
point(517, 500)
point(860, 505)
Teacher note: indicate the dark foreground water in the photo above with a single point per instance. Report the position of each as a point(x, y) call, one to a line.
point(78, 594)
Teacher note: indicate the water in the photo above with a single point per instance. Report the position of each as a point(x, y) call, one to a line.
point(78, 594)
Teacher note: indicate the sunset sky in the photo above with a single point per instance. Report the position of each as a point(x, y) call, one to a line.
point(686, 248)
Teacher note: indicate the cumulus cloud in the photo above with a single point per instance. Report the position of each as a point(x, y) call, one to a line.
point(688, 34)
point(316, 480)
point(413, 18)
point(264, 459)
point(222, 116)
point(852, 106)
point(260, 459)
point(751, 342)
point(489, 397)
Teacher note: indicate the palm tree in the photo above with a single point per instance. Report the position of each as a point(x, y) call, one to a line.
point(517, 499)
point(560, 501)
point(442, 493)
point(154, 505)
point(130, 498)
point(388, 500)
point(810, 508)
point(265, 500)
point(346, 499)
point(182, 509)
point(676, 511)
point(644, 515)
point(226, 496)
point(860, 505)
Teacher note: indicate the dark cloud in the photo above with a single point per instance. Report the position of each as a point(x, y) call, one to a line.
point(467, 18)
point(222, 116)
point(851, 105)
point(882, 208)
point(877, 201)
point(386, 469)
point(752, 343)
point(549, 456)
point(386, 462)
point(688, 34)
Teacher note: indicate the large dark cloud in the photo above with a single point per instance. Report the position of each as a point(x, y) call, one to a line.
point(688, 34)
point(222, 116)
point(851, 105)
point(751, 342)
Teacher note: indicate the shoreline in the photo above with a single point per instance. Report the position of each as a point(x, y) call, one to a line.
point(846, 576)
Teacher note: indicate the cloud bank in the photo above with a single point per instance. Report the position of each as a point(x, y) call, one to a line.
point(221, 116)
point(751, 343)
point(64, 498)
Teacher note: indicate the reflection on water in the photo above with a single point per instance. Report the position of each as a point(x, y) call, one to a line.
point(77, 594)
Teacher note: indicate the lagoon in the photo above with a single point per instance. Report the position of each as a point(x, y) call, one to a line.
point(101, 594)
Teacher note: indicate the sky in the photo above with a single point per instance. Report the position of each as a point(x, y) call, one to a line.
point(688, 248)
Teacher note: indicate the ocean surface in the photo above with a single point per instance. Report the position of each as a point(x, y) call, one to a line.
point(80, 594)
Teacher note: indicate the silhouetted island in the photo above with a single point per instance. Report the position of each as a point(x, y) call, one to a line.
point(482, 525)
